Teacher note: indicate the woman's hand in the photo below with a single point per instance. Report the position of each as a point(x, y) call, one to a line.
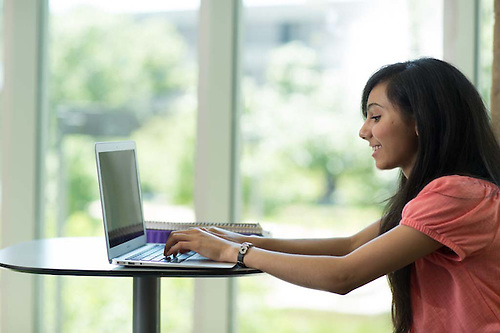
point(202, 241)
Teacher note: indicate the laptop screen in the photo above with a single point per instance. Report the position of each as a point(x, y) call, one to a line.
point(121, 195)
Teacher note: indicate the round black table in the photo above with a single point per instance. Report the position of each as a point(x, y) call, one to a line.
point(86, 256)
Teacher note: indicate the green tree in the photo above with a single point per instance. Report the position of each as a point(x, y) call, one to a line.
point(115, 60)
point(104, 63)
point(300, 135)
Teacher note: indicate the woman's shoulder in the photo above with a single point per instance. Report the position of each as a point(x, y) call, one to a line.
point(461, 187)
point(460, 212)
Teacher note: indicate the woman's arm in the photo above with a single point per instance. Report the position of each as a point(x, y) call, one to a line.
point(338, 246)
point(384, 254)
point(339, 274)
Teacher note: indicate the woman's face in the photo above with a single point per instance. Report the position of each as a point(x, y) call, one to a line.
point(392, 137)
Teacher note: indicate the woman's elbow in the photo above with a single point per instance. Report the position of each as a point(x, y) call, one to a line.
point(342, 284)
point(344, 290)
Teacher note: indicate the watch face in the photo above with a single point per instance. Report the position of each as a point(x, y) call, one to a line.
point(243, 249)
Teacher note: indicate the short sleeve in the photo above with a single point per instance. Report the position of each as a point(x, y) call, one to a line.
point(459, 212)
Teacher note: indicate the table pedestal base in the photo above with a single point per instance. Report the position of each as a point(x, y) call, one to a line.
point(146, 304)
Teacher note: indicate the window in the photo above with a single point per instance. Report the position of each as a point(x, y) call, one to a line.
point(118, 70)
point(304, 170)
point(485, 53)
point(290, 173)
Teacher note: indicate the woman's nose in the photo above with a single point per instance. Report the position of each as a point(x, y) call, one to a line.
point(364, 132)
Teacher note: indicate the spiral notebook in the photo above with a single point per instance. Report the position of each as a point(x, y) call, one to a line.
point(158, 231)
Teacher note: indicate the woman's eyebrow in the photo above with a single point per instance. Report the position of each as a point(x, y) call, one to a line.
point(373, 104)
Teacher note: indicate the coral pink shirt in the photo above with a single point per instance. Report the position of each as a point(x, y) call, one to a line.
point(457, 288)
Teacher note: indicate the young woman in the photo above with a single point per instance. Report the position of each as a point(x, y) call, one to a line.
point(439, 238)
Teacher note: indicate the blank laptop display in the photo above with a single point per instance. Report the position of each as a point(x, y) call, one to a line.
point(121, 202)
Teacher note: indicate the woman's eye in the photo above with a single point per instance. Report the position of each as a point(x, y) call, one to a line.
point(375, 118)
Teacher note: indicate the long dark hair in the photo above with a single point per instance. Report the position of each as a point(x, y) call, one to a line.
point(454, 138)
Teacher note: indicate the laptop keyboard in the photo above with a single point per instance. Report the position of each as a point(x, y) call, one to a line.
point(155, 253)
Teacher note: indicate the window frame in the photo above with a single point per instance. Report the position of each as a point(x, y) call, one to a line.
point(24, 116)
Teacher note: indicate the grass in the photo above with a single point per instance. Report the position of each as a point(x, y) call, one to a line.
point(346, 218)
point(299, 321)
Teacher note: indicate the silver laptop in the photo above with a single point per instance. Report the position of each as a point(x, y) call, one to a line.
point(122, 213)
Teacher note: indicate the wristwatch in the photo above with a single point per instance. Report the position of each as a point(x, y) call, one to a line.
point(244, 247)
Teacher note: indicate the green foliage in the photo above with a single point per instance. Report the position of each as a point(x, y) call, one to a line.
point(255, 316)
point(79, 169)
point(336, 219)
point(301, 138)
point(80, 224)
point(94, 304)
point(110, 63)
point(299, 321)
point(114, 60)
point(294, 68)
point(166, 156)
